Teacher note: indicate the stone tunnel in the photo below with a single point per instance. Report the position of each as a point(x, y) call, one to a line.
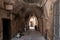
point(15, 14)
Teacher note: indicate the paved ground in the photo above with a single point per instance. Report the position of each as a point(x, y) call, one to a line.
point(31, 35)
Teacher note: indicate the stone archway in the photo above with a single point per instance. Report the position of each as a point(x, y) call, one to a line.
point(33, 22)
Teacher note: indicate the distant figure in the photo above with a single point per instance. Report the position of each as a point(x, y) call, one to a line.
point(18, 35)
point(25, 29)
point(35, 27)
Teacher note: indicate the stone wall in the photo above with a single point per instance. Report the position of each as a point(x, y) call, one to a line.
point(13, 28)
point(1, 35)
point(59, 19)
point(1, 30)
point(48, 19)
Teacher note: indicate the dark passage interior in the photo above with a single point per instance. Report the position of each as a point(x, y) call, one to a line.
point(29, 19)
point(6, 29)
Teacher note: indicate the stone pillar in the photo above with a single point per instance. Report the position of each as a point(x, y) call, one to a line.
point(48, 9)
point(40, 25)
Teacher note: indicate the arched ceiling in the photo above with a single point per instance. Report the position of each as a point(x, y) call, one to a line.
point(31, 10)
point(27, 10)
point(24, 9)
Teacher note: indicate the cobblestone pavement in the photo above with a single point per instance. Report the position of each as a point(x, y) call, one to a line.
point(31, 35)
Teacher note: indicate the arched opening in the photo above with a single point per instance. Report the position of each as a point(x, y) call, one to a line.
point(33, 23)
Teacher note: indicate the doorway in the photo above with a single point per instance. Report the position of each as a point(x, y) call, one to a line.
point(6, 29)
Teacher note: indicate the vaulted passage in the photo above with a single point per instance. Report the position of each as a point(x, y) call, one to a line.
point(28, 20)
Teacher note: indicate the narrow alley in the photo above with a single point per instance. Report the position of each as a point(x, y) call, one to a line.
point(31, 35)
point(29, 20)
